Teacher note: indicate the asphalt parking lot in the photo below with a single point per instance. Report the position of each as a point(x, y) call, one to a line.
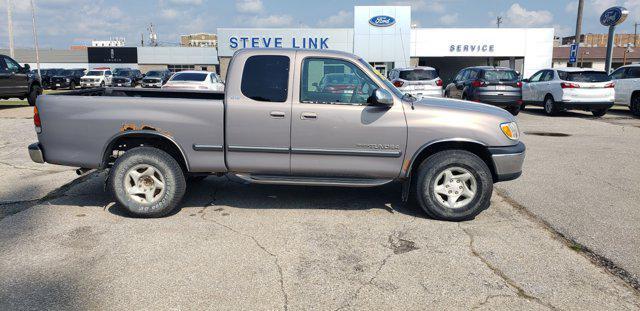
point(235, 246)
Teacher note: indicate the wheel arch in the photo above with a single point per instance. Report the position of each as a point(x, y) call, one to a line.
point(428, 149)
point(150, 138)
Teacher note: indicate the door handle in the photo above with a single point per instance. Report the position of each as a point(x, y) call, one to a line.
point(308, 116)
point(277, 114)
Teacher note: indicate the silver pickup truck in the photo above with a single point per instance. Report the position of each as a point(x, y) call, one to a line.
point(290, 117)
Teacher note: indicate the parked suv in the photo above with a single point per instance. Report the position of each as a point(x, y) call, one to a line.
point(68, 78)
point(498, 86)
point(417, 81)
point(627, 87)
point(126, 77)
point(46, 74)
point(156, 78)
point(560, 89)
point(96, 78)
point(15, 81)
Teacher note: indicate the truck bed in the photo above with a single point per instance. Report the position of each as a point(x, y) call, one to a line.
point(77, 126)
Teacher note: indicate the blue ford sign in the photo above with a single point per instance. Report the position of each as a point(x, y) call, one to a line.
point(382, 21)
point(613, 16)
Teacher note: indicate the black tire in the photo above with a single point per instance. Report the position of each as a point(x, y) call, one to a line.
point(102, 84)
point(169, 170)
point(433, 166)
point(599, 112)
point(634, 105)
point(514, 110)
point(33, 94)
point(523, 107)
point(72, 85)
point(550, 106)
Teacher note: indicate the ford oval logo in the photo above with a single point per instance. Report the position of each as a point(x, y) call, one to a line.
point(382, 21)
point(613, 16)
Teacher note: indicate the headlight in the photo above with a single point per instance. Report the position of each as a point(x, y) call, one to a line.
point(510, 129)
point(68, 80)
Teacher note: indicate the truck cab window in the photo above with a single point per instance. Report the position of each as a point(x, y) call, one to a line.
point(11, 65)
point(266, 78)
point(326, 80)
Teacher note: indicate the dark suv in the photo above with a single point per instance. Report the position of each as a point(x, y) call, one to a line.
point(68, 78)
point(126, 77)
point(156, 78)
point(498, 86)
point(15, 81)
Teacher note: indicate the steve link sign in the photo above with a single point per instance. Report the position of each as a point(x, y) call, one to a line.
point(279, 42)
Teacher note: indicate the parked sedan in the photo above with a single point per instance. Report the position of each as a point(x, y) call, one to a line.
point(68, 78)
point(560, 89)
point(156, 78)
point(418, 81)
point(498, 86)
point(195, 80)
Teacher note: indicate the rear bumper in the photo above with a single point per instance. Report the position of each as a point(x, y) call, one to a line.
point(508, 161)
point(596, 105)
point(35, 153)
point(506, 100)
point(419, 94)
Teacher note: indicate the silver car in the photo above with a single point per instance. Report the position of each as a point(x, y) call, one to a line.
point(417, 81)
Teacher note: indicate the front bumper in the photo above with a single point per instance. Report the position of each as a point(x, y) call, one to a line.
point(508, 161)
point(122, 84)
point(89, 84)
point(60, 84)
point(35, 153)
point(151, 85)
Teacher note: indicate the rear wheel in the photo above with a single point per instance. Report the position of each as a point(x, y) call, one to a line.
point(147, 182)
point(550, 106)
point(453, 185)
point(634, 106)
point(599, 112)
point(33, 94)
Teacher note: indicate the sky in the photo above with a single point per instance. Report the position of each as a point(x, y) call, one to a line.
point(62, 23)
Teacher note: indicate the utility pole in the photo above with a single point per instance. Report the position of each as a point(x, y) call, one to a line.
point(10, 27)
point(141, 39)
point(35, 35)
point(499, 21)
point(579, 26)
point(635, 34)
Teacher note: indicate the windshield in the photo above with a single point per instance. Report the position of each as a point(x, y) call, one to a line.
point(382, 78)
point(500, 75)
point(190, 76)
point(584, 76)
point(154, 74)
point(418, 75)
point(123, 73)
point(95, 73)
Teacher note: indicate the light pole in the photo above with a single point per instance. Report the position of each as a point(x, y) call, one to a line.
point(10, 27)
point(578, 27)
point(35, 35)
point(626, 51)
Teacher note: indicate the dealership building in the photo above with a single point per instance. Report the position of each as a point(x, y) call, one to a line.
point(381, 35)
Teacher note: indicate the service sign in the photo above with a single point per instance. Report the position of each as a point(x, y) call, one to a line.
point(614, 16)
point(113, 55)
point(382, 21)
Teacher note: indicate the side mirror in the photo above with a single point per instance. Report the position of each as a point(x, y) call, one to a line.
point(382, 97)
point(26, 67)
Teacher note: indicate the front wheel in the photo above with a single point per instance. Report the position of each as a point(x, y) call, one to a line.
point(599, 112)
point(453, 185)
point(147, 182)
point(550, 106)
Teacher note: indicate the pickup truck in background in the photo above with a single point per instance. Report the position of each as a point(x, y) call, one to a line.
point(17, 82)
point(627, 87)
point(275, 125)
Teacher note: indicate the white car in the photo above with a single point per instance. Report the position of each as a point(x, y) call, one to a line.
point(417, 81)
point(195, 80)
point(627, 80)
point(560, 89)
point(96, 78)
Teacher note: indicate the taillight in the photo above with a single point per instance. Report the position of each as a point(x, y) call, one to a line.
point(439, 82)
point(398, 83)
point(610, 85)
point(567, 85)
point(478, 83)
point(519, 84)
point(36, 120)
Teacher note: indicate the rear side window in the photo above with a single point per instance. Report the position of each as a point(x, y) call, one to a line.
point(500, 75)
point(266, 78)
point(633, 73)
point(584, 76)
point(418, 75)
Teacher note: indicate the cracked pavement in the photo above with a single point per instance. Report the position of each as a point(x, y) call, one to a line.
point(237, 246)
